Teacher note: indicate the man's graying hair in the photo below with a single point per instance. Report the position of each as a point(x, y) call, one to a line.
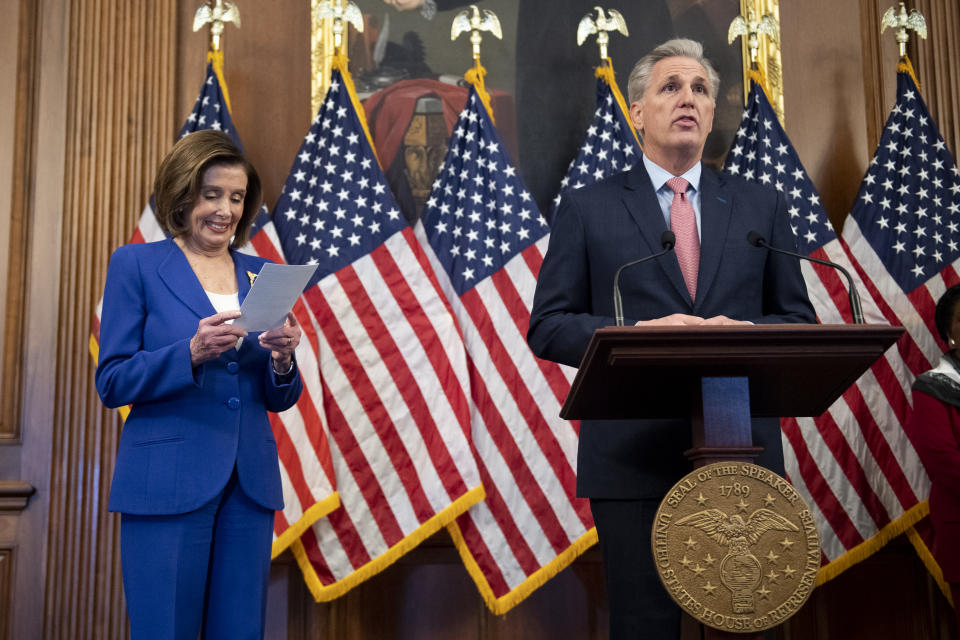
point(679, 47)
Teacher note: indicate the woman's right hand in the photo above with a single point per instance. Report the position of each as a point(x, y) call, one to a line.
point(214, 336)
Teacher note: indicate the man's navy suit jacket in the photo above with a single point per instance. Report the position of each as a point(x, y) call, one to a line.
point(188, 426)
point(603, 226)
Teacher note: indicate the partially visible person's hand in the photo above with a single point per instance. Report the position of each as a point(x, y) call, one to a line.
point(715, 320)
point(282, 343)
point(404, 5)
point(674, 319)
point(214, 336)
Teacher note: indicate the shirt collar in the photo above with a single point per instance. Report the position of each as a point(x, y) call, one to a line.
point(659, 175)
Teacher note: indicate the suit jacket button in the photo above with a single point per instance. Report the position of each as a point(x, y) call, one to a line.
point(233, 367)
point(233, 403)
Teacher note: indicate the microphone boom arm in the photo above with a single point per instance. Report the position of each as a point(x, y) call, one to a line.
point(856, 311)
point(667, 240)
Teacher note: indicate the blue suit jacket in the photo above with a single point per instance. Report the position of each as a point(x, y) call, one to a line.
point(599, 228)
point(188, 426)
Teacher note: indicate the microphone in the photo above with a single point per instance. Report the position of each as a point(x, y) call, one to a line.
point(667, 240)
point(758, 240)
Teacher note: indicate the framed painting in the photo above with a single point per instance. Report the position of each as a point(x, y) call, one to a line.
point(542, 82)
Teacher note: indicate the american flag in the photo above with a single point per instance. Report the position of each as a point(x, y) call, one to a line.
point(903, 234)
point(486, 240)
point(306, 469)
point(611, 145)
point(396, 384)
point(854, 464)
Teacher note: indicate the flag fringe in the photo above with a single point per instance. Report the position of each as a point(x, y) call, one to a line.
point(325, 593)
point(905, 66)
point(868, 547)
point(605, 72)
point(474, 76)
point(503, 604)
point(216, 58)
point(341, 64)
point(929, 562)
point(304, 522)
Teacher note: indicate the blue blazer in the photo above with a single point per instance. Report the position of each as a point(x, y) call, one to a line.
point(188, 427)
point(599, 228)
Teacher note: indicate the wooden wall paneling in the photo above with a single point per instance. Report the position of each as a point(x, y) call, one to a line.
point(8, 530)
point(119, 109)
point(10, 65)
point(879, 70)
point(6, 590)
point(13, 273)
point(267, 71)
point(935, 61)
point(427, 594)
point(45, 187)
point(889, 595)
point(14, 497)
point(66, 595)
point(825, 107)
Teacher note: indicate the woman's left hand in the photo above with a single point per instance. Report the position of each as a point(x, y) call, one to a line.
point(282, 343)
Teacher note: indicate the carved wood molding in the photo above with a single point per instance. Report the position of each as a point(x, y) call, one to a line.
point(6, 592)
point(18, 223)
point(14, 496)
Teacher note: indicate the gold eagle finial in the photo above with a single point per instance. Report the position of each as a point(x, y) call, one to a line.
point(752, 28)
point(901, 22)
point(341, 12)
point(601, 25)
point(216, 14)
point(474, 20)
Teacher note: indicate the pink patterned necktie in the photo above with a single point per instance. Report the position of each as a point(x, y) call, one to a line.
point(683, 223)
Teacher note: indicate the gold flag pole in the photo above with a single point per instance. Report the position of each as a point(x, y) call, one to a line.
point(761, 56)
point(475, 21)
point(602, 25)
point(902, 22)
point(217, 13)
point(328, 39)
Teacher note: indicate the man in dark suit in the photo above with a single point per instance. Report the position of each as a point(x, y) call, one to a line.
point(714, 276)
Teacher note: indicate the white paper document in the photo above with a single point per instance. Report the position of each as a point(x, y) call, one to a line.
point(273, 295)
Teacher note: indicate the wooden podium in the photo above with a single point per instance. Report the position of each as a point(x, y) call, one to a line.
point(720, 377)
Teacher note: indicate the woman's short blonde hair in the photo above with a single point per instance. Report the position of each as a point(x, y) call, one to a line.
point(180, 178)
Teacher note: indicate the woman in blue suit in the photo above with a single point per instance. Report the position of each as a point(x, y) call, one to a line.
point(197, 478)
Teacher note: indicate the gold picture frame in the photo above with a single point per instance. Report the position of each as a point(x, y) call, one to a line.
point(768, 56)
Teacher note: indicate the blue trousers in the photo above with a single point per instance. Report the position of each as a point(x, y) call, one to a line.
point(207, 569)
point(639, 605)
